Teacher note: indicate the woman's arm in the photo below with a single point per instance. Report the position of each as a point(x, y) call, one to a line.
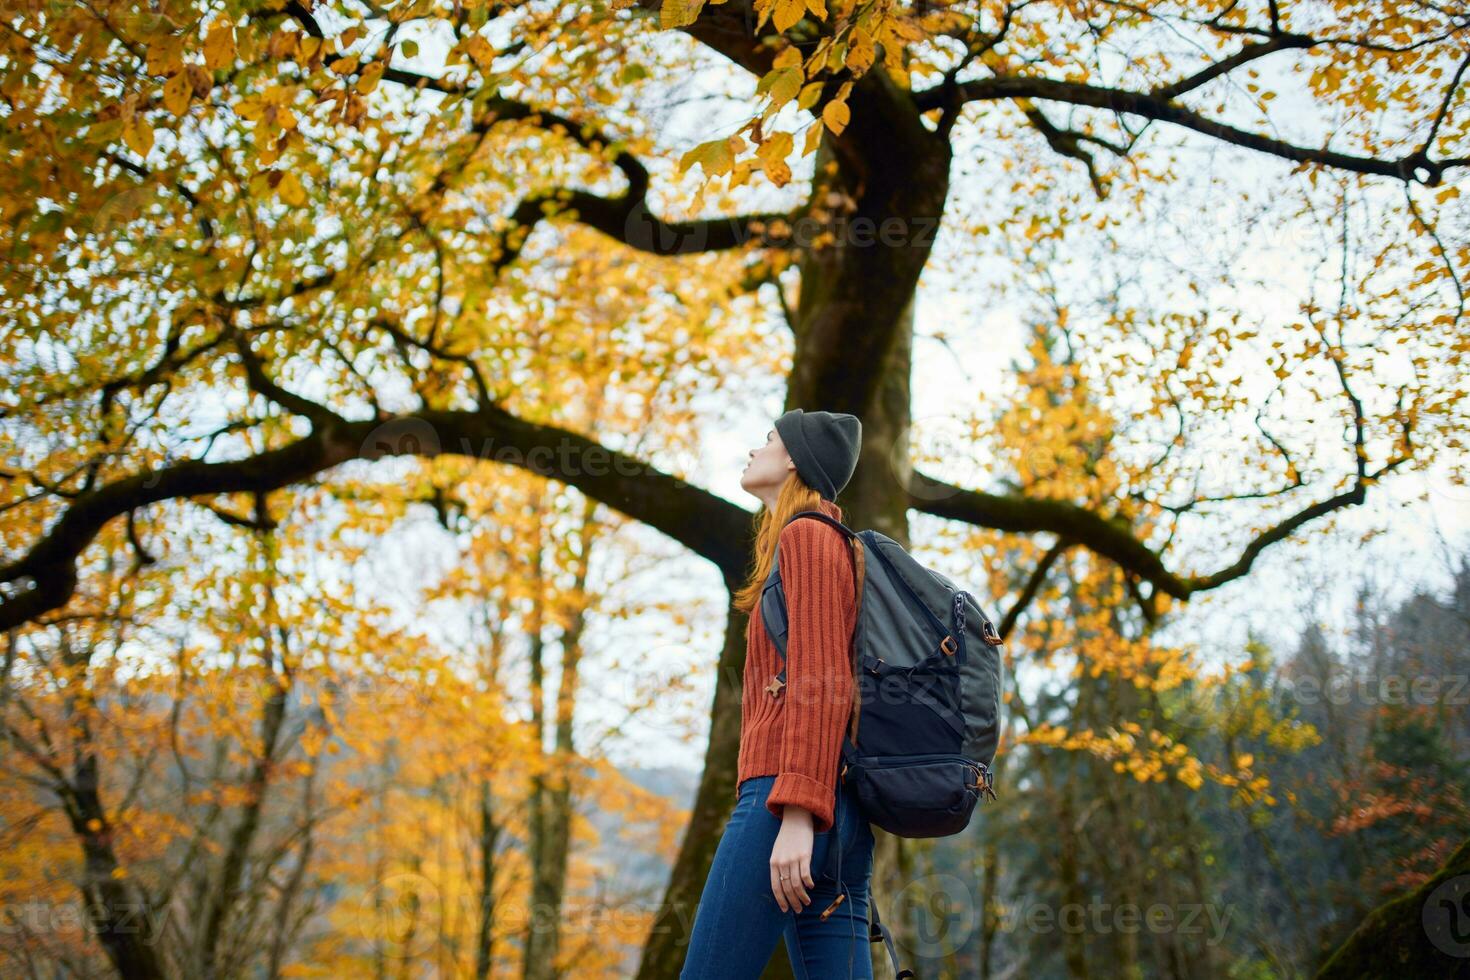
point(817, 578)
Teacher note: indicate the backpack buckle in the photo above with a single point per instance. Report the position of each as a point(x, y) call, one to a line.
point(984, 784)
point(774, 688)
point(949, 646)
point(989, 634)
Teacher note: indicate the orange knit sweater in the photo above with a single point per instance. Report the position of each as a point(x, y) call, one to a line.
point(797, 734)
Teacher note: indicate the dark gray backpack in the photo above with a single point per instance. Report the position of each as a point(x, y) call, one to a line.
point(925, 721)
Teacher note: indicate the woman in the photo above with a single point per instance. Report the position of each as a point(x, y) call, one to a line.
point(795, 856)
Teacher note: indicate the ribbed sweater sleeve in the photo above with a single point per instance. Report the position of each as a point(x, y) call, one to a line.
point(817, 578)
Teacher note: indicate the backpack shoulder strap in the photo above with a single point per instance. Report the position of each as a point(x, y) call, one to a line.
point(828, 518)
point(878, 933)
point(855, 545)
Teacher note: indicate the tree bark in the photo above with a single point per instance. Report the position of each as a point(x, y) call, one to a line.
point(119, 913)
point(225, 890)
point(553, 794)
point(663, 954)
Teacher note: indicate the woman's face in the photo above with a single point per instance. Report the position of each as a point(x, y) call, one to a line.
point(767, 468)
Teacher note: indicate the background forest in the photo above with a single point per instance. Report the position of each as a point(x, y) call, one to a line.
point(375, 377)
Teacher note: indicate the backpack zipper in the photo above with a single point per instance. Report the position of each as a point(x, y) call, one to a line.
point(983, 781)
point(988, 632)
point(883, 760)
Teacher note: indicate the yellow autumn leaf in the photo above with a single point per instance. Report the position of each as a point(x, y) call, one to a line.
point(176, 94)
point(860, 51)
point(282, 45)
point(678, 13)
point(165, 54)
point(835, 116)
point(740, 173)
point(787, 13)
point(713, 157)
point(813, 137)
point(370, 77)
point(893, 60)
point(252, 107)
point(908, 30)
point(790, 57)
point(481, 52)
point(219, 46)
point(772, 155)
point(836, 56)
point(782, 85)
point(344, 66)
point(138, 135)
point(818, 57)
point(290, 189)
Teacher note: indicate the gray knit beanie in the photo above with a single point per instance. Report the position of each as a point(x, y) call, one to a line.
point(823, 445)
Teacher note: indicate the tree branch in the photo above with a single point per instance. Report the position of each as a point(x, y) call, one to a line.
point(1415, 166)
point(707, 524)
point(1109, 537)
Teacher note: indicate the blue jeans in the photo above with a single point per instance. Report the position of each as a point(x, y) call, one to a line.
point(737, 922)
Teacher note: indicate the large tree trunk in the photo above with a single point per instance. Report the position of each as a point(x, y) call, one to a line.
point(227, 885)
point(119, 914)
point(490, 827)
point(663, 955)
point(489, 838)
point(554, 796)
point(539, 824)
point(989, 896)
point(874, 504)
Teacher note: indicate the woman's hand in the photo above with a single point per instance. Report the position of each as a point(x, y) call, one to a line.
point(792, 856)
